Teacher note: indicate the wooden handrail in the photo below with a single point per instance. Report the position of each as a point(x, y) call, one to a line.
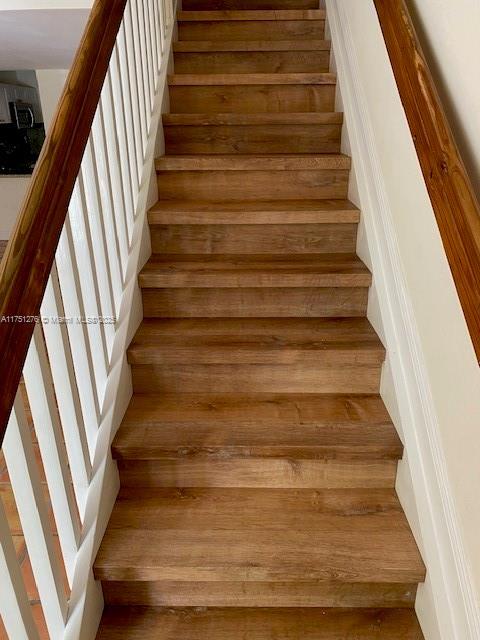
point(451, 192)
point(29, 256)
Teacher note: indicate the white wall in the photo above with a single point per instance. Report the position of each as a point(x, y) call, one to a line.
point(40, 38)
point(12, 192)
point(14, 188)
point(50, 86)
point(431, 381)
point(449, 35)
point(27, 5)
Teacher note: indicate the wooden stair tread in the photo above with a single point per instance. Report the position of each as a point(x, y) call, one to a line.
point(214, 119)
point(149, 623)
point(256, 341)
point(263, 425)
point(199, 46)
point(253, 212)
point(246, 15)
point(301, 270)
point(217, 509)
point(352, 547)
point(255, 162)
point(214, 79)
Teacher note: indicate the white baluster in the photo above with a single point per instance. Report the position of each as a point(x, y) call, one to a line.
point(15, 608)
point(104, 183)
point(126, 155)
point(41, 397)
point(159, 32)
point(30, 501)
point(151, 46)
point(132, 118)
point(89, 286)
point(141, 73)
point(138, 98)
point(169, 12)
point(147, 62)
point(61, 364)
point(88, 181)
point(130, 93)
point(120, 204)
point(155, 41)
point(163, 8)
point(68, 276)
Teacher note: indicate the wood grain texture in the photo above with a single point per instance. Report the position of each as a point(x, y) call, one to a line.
point(258, 624)
point(269, 238)
point(168, 593)
point(254, 212)
point(451, 192)
point(257, 460)
point(236, 79)
point(252, 139)
point(228, 378)
point(251, 119)
point(247, 185)
point(270, 473)
point(252, 30)
point(3, 246)
point(250, 509)
point(257, 341)
point(257, 425)
point(205, 46)
point(349, 548)
point(271, 302)
point(298, 270)
point(224, 5)
point(265, 162)
point(257, 98)
point(252, 62)
point(250, 134)
point(29, 256)
point(248, 15)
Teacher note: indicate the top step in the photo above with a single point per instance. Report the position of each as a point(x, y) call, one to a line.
point(222, 5)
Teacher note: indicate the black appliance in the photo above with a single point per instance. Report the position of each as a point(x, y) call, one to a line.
point(23, 116)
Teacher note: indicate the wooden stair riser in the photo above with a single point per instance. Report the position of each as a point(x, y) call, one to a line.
point(254, 239)
point(259, 594)
point(224, 139)
point(255, 98)
point(252, 185)
point(252, 30)
point(252, 213)
point(274, 473)
point(252, 61)
point(319, 302)
point(261, 624)
point(253, 5)
point(256, 378)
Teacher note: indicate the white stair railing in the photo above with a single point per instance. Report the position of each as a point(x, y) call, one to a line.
point(74, 365)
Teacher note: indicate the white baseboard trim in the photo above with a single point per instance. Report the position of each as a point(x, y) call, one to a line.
point(456, 609)
point(86, 602)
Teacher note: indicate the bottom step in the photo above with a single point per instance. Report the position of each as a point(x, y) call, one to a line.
point(146, 623)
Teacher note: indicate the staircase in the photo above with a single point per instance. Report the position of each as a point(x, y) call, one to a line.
point(257, 460)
